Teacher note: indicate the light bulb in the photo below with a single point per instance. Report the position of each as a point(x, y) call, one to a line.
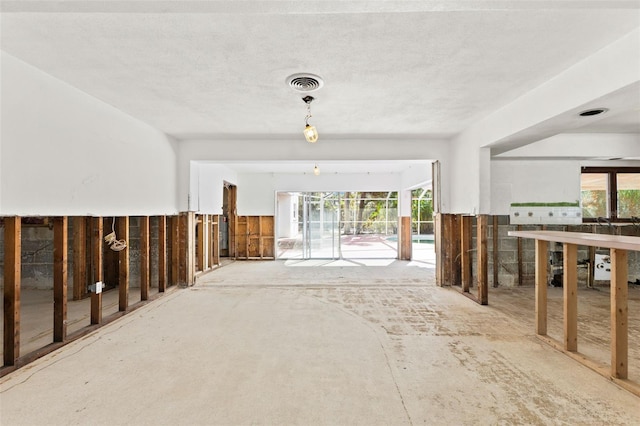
point(310, 133)
point(316, 170)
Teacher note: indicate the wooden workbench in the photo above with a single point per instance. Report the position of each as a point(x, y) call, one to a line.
point(619, 246)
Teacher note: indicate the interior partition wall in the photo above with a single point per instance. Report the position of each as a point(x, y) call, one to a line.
point(337, 225)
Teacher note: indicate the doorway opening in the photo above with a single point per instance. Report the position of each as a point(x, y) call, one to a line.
point(337, 225)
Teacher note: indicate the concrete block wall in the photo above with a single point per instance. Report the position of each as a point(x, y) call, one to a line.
point(508, 251)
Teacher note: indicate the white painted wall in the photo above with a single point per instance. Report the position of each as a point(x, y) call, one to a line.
point(257, 191)
point(582, 145)
point(67, 153)
point(613, 71)
point(533, 181)
point(287, 215)
point(207, 183)
point(221, 151)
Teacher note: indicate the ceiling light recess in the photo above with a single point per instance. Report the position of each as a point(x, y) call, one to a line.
point(305, 82)
point(593, 111)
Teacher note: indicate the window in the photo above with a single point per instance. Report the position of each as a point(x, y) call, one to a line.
point(610, 192)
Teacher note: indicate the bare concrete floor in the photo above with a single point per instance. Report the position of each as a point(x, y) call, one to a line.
point(326, 343)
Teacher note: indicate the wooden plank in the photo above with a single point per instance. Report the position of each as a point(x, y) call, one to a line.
point(541, 286)
point(215, 241)
point(447, 265)
point(456, 258)
point(583, 238)
point(483, 263)
point(110, 258)
point(570, 296)
point(200, 253)
point(206, 236)
point(520, 264)
point(162, 253)
point(267, 237)
point(175, 250)
point(619, 314)
point(406, 243)
point(145, 260)
point(465, 258)
point(79, 257)
point(495, 250)
point(97, 267)
point(439, 248)
point(60, 252)
point(232, 217)
point(123, 270)
point(12, 277)
point(241, 237)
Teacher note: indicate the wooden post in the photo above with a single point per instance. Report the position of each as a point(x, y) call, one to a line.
point(60, 249)
point(405, 239)
point(570, 290)
point(162, 253)
point(495, 251)
point(465, 258)
point(619, 314)
point(438, 222)
point(483, 263)
point(447, 241)
point(79, 257)
point(541, 287)
point(215, 241)
point(12, 267)
point(123, 269)
point(97, 257)
point(145, 263)
point(187, 248)
point(175, 250)
point(520, 266)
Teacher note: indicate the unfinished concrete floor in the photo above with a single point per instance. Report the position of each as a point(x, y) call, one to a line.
point(325, 343)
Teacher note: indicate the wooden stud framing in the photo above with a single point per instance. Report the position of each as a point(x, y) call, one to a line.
point(495, 251)
point(215, 241)
point(570, 290)
point(520, 264)
point(465, 258)
point(439, 247)
point(145, 261)
point(455, 241)
point(405, 239)
point(619, 314)
point(79, 257)
point(186, 248)
point(12, 277)
point(162, 254)
point(96, 262)
point(60, 251)
point(175, 250)
point(123, 269)
point(541, 287)
point(483, 279)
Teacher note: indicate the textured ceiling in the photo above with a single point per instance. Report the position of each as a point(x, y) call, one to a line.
point(218, 68)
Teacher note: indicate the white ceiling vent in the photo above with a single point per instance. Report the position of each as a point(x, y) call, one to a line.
point(305, 82)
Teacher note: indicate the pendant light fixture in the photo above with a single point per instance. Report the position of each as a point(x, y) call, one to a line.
point(310, 132)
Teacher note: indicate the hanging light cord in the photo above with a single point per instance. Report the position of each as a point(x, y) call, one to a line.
point(306, 119)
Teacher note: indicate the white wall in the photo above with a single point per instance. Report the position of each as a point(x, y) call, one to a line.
point(533, 181)
point(221, 151)
point(207, 184)
point(67, 153)
point(585, 145)
point(613, 71)
point(257, 191)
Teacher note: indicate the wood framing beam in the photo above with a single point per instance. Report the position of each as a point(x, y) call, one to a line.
point(79, 257)
point(456, 256)
point(570, 292)
point(405, 241)
point(123, 269)
point(520, 264)
point(145, 260)
point(483, 263)
point(215, 241)
point(495, 251)
point(175, 250)
point(439, 247)
point(541, 287)
point(447, 271)
point(97, 266)
point(465, 258)
point(619, 314)
point(162, 253)
point(12, 277)
point(60, 252)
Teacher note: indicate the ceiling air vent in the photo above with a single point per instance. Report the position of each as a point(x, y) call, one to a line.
point(305, 82)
